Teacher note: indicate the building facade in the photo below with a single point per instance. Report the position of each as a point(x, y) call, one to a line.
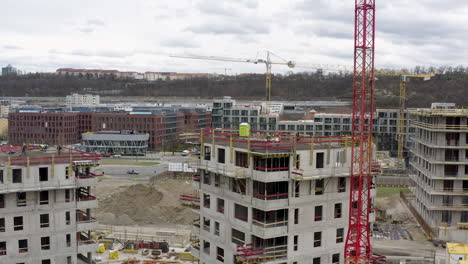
point(115, 142)
point(46, 206)
point(278, 200)
point(9, 70)
point(82, 99)
point(65, 126)
point(440, 171)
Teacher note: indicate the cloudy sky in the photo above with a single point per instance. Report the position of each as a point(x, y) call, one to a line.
point(138, 35)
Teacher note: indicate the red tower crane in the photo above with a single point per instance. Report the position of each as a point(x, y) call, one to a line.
point(358, 246)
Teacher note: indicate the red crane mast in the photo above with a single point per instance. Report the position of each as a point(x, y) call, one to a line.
point(358, 247)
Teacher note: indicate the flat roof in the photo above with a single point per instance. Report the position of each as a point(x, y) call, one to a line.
point(35, 155)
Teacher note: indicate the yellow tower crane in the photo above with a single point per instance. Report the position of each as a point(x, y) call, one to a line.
point(404, 80)
point(268, 63)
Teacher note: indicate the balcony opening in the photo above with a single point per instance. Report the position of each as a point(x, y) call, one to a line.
point(216, 228)
point(319, 158)
point(316, 260)
point(451, 154)
point(271, 164)
point(296, 216)
point(296, 243)
point(241, 159)
point(318, 213)
point(336, 258)
point(67, 218)
point(206, 224)
point(339, 235)
point(271, 190)
point(68, 240)
point(451, 170)
point(18, 223)
point(219, 254)
point(448, 185)
point(268, 219)
point(45, 243)
point(237, 237)
point(207, 153)
point(3, 250)
point(341, 184)
point(43, 197)
point(217, 180)
point(83, 217)
point(206, 247)
point(206, 200)
point(23, 246)
point(272, 248)
point(220, 206)
point(83, 194)
point(238, 185)
point(207, 178)
point(2, 200)
point(297, 189)
point(44, 220)
point(221, 155)
point(241, 212)
point(17, 176)
point(46, 261)
point(338, 210)
point(2, 224)
point(446, 217)
point(43, 174)
point(1, 177)
point(452, 139)
point(464, 217)
point(317, 239)
point(319, 186)
point(465, 187)
point(21, 199)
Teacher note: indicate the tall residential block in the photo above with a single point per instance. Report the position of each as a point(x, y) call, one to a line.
point(440, 163)
point(46, 206)
point(271, 197)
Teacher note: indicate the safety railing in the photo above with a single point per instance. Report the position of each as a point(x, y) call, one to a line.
point(253, 254)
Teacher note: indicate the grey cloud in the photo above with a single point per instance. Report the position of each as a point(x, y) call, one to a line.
point(86, 53)
point(114, 53)
point(12, 47)
point(87, 30)
point(95, 22)
point(226, 27)
point(180, 43)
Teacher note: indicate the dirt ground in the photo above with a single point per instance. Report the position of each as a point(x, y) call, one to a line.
point(153, 203)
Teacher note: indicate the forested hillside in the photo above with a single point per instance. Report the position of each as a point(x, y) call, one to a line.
point(447, 87)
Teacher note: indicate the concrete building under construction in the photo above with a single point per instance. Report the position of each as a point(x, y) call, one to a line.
point(440, 163)
point(271, 196)
point(46, 206)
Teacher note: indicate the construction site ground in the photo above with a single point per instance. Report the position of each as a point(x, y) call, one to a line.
point(398, 235)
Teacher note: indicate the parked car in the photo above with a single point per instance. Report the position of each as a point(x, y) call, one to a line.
point(132, 172)
point(117, 156)
point(185, 153)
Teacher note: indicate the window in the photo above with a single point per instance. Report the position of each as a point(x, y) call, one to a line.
point(206, 224)
point(2, 224)
point(45, 243)
point(317, 239)
point(241, 212)
point(67, 195)
point(44, 197)
point(207, 153)
point(319, 184)
point(216, 228)
point(316, 260)
point(17, 176)
point(46, 261)
point(67, 173)
point(336, 258)
point(296, 216)
point(217, 180)
point(67, 218)
point(298, 162)
point(3, 248)
point(1, 176)
point(69, 260)
point(206, 247)
point(341, 184)
point(23, 246)
point(220, 254)
point(319, 160)
point(44, 220)
point(338, 210)
point(206, 200)
point(220, 207)
point(296, 242)
point(339, 235)
point(318, 213)
point(221, 155)
point(68, 239)
point(238, 237)
point(21, 199)
point(43, 174)
point(18, 223)
point(2, 200)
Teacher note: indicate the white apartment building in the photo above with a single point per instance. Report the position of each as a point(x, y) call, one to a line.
point(271, 198)
point(82, 99)
point(440, 170)
point(45, 207)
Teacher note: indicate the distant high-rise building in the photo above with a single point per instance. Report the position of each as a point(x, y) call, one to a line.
point(9, 70)
point(82, 99)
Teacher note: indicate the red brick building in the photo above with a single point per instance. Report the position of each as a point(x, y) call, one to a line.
point(54, 127)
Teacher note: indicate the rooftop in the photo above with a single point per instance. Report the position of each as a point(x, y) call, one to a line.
point(441, 112)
